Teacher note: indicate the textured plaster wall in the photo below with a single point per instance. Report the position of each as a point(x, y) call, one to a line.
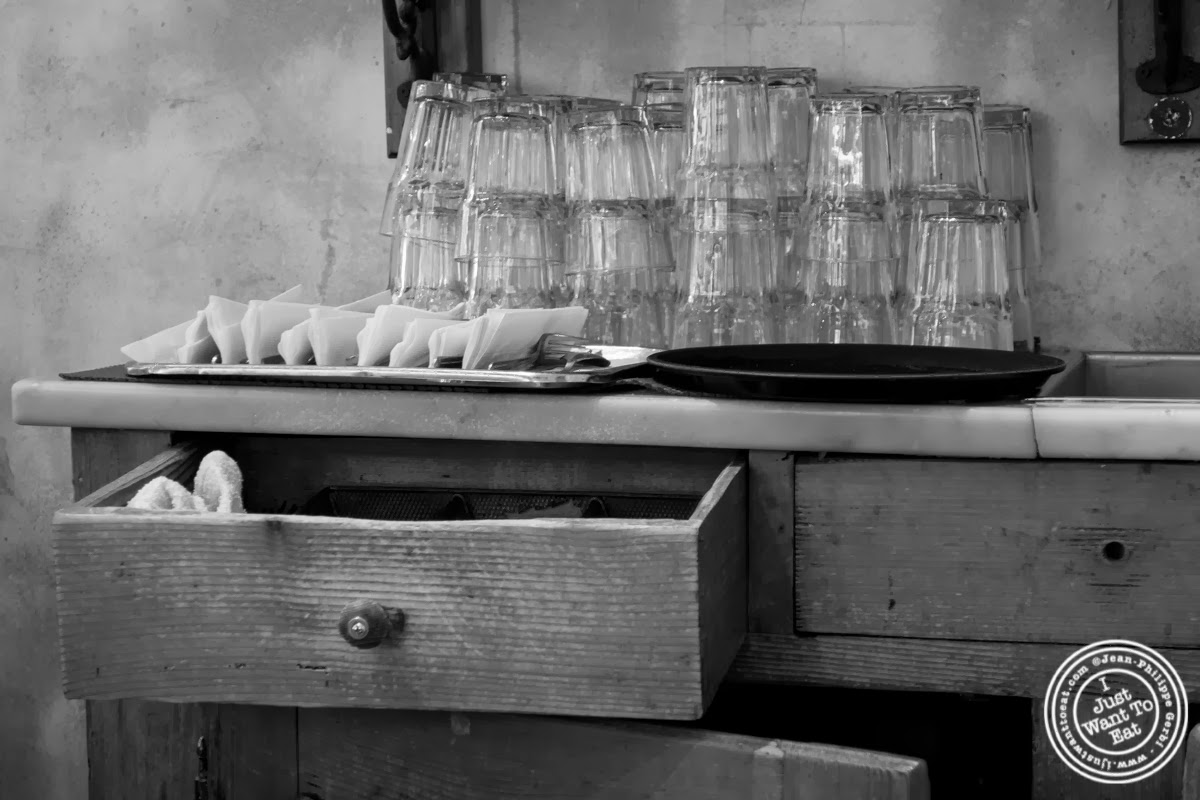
point(152, 153)
point(1121, 233)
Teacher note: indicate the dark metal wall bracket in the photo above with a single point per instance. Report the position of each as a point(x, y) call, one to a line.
point(1160, 81)
point(410, 54)
point(421, 37)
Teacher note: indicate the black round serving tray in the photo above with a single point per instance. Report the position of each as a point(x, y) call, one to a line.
point(856, 373)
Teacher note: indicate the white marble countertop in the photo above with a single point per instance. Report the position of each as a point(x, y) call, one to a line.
point(985, 431)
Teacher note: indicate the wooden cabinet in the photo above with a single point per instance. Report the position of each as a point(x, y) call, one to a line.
point(931, 576)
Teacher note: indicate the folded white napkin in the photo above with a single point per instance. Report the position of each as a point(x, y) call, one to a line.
point(386, 329)
point(264, 325)
point(450, 342)
point(413, 349)
point(503, 334)
point(334, 335)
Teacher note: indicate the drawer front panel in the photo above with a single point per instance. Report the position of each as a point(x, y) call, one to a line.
point(629, 618)
point(1040, 551)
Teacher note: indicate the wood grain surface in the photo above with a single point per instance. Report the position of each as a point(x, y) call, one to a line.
point(145, 750)
point(1039, 551)
point(588, 617)
point(355, 755)
point(771, 524)
point(1015, 669)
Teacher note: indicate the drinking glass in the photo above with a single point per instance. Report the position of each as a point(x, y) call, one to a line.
point(512, 222)
point(839, 289)
point(849, 158)
point(616, 239)
point(726, 212)
point(939, 137)
point(667, 143)
point(891, 113)
point(1008, 140)
point(789, 93)
point(652, 88)
point(494, 82)
point(433, 151)
point(424, 273)
point(959, 251)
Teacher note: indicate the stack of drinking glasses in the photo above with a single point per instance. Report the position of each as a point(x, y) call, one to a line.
point(425, 194)
point(1008, 138)
point(619, 264)
point(726, 212)
point(952, 281)
point(511, 234)
point(837, 277)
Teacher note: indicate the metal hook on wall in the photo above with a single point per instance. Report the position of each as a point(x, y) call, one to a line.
point(403, 18)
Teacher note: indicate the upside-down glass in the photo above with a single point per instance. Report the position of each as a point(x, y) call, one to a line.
point(618, 264)
point(1008, 142)
point(841, 285)
point(433, 149)
point(512, 222)
point(939, 139)
point(652, 88)
point(494, 82)
point(424, 273)
point(960, 252)
point(667, 143)
point(789, 92)
point(849, 160)
point(726, 212)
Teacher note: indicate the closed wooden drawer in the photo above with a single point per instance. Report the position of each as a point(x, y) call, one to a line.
point(1011, 551)
point(600, 617)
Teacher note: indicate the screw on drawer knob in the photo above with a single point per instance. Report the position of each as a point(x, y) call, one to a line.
point(367, 625)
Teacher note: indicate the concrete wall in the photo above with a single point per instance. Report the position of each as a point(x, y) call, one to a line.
point(152, 153)
point(1120, 233)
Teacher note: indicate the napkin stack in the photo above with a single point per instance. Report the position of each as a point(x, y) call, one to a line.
point(370, 332)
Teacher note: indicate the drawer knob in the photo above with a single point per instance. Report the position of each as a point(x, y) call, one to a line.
point(367, 625)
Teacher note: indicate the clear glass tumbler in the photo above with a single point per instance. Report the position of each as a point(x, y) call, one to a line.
point(424, 273)
point(839, 289)
point(849, 157)
point(433, 148)
point(1008, 140)
point(939, 136)
point(617, 243)
point(789, 95)
point(652, 88)
point(960, 252)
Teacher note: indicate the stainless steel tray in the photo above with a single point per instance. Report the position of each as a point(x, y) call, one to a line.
point(624, 361)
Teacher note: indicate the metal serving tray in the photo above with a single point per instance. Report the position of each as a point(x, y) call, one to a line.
point(625, 361)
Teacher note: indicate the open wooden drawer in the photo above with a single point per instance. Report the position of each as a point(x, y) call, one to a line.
point(634, 618)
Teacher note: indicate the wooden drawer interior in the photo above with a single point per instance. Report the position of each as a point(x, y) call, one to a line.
point(598, 617)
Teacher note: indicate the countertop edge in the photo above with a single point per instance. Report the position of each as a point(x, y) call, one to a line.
point(1000, 431)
